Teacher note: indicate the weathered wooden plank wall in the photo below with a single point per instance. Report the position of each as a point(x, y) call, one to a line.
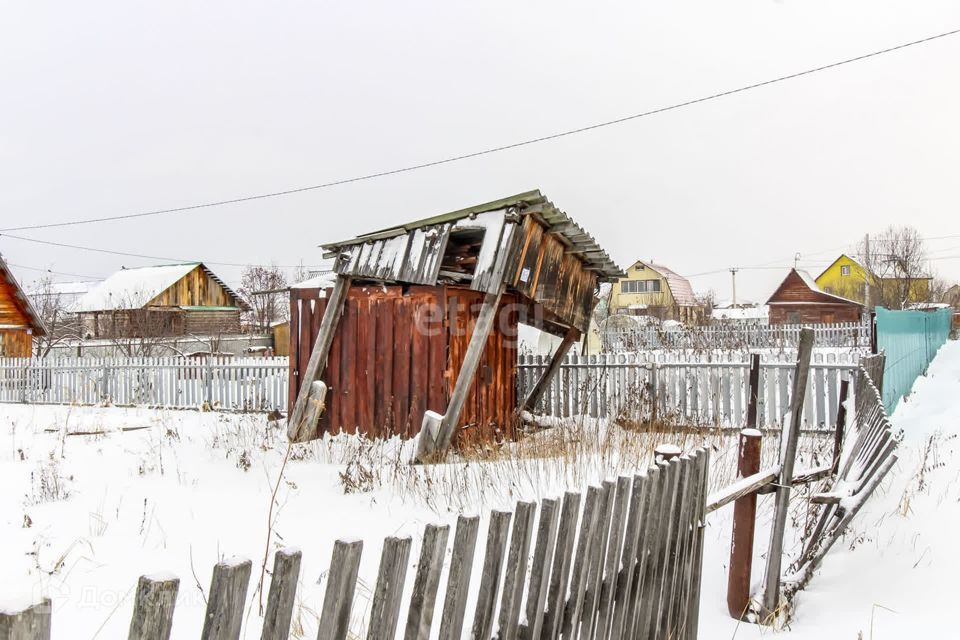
point(396, 354)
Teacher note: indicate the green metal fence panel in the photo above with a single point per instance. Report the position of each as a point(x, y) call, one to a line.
point(911, 340)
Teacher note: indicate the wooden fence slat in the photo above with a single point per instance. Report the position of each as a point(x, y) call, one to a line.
point(621, 603)
point(561, 566)
point(611, 571)
point(581, 564)
point(425, 585)
point(540, 569)
point(389, 589)
point(32, 623)
point(513, 583)
point(653, 538)
point(458, 581)
point(497, 534)
point(153, 608)
point(598, 553)
point(228, 589)
point(338, 596)
point(280, 599)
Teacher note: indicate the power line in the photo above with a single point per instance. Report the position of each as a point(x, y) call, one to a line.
point(146, 257)
point(56, 273)
point(491, 150)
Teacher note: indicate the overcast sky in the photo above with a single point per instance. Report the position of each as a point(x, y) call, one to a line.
point(109, 108)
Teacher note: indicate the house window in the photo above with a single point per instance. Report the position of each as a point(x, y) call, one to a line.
point(640, 286)
point(845, 270)
point(793, 317)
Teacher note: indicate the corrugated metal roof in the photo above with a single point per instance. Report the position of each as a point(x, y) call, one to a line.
point(39, 329)
point(529, 203)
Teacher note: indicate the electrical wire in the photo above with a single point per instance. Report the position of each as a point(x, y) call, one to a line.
point(491, 150)
point(147, 257)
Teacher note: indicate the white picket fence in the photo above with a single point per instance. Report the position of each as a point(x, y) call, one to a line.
point(242, 384)
point(623, 386)
point(734, 336)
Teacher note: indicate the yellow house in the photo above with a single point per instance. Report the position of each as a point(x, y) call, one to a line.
point(653, 290)
point(847, 278)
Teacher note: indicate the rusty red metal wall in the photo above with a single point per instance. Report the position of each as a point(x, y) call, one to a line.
point(397, 353)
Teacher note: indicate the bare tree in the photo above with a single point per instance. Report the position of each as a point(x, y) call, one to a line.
point(896, 265)
point(265, 289)
point(60, 323)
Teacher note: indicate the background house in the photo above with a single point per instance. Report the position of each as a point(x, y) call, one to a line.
point(166, 300)
point(19, 320)
point(798, 300)
point(654, 290)
point(848, 278)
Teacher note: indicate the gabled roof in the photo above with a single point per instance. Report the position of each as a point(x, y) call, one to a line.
point(839, 258)
point(529, 203)
point(36, 322)
point(137, 287)
point(811, 284)
point(679, 286)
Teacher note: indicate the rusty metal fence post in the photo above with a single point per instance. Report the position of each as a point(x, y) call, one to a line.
point(744, 523)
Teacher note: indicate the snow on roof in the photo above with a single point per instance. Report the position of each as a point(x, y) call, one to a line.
point(28, 308)
point(63, 288)
point(742, 313)
point(812, 285)
point(132, 288)
point(679, 286)
point(319, 281)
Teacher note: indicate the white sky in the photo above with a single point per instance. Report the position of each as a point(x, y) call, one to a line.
point(112, 107)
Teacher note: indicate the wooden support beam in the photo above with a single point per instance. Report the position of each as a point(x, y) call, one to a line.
point(302, 421)
point(428, 443)
point(771, 595)
point(536, 393)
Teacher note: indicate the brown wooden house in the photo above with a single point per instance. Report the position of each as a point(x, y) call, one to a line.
point(420, 328)
point(798, 300)
point(159, 301)
point(19, 320)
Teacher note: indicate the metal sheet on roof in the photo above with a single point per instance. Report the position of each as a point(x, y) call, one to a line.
point(581, 243)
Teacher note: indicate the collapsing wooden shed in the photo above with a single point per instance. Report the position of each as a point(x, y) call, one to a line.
point(418, 332)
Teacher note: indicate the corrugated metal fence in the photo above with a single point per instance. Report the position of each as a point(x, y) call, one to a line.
point(910, 339)
point(622, 386)
point(245, 384)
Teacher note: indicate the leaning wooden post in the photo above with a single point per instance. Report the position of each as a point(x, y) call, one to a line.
point(306, 412)
point(788, 454)
point(841, 425)
point(32, 623)
point(437, 437)
point(569, 338)
point(153, 608)
point(744, 523)
point(754, 391)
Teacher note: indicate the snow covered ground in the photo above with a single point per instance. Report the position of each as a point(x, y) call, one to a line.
point(82, 516)
point(895, 574)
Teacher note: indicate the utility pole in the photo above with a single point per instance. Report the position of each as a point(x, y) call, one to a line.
point(733, 277)
point(866, 271)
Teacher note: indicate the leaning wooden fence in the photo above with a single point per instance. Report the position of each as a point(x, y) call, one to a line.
point(862, 456)
point(246, 384)
point(623, 386)
point(620, 561)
